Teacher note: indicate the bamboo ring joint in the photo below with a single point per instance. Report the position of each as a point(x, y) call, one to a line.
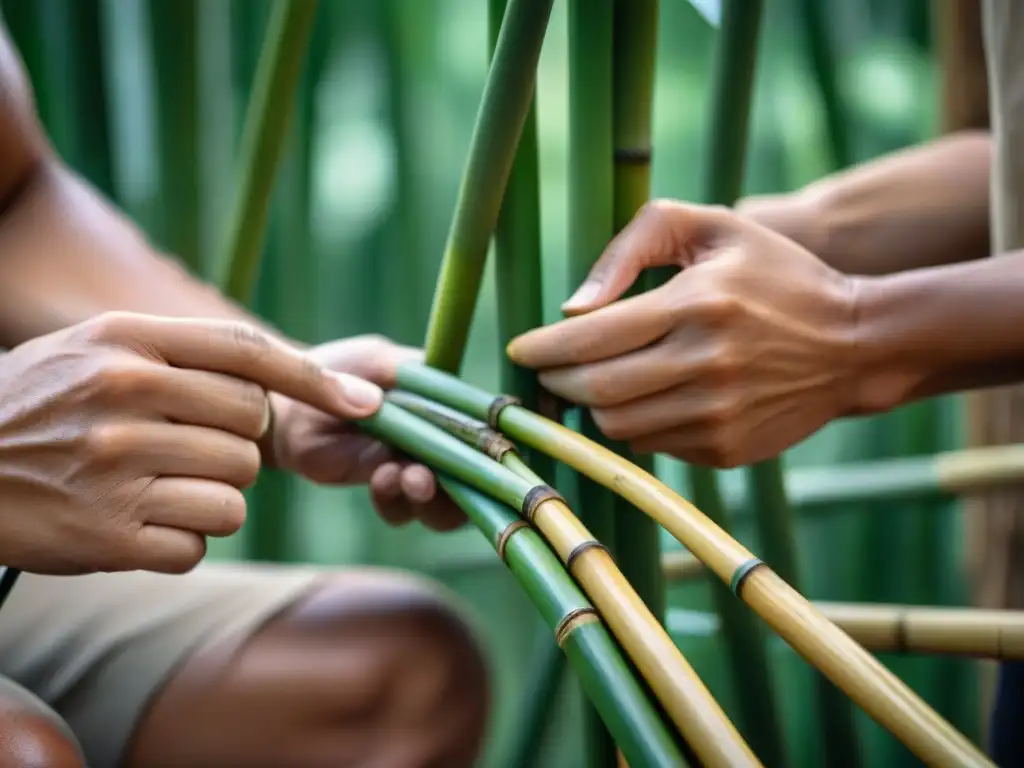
point(740, 574)
point(498, 404)
point(571, 621)
point(506, 534)
point(537, 496)
point(580, 548)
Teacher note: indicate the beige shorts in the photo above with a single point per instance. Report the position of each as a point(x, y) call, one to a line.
point(95, 649)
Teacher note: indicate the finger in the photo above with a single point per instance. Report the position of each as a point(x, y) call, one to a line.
point(192, 504)
point(441, 515)
point(167, 550)
point(607, 332)
point(386, 494)
point(678, 408)
point(243, 350)
point(203, 399)
point(340, 458)
point(607, 383)
point(663, 232)
point(176, 450)
point(371, 357)
point(418, 483)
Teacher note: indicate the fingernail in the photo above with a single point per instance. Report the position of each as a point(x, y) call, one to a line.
point(360, 392)
point(585, 294)
point(268, 414)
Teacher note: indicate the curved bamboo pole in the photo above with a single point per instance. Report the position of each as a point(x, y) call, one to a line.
point(578, 629)
point(904, 629)
point(880, 693)
point(677, 686)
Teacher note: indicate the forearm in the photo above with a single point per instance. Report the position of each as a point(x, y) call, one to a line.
point(932, 331)
point(922, 207)
point(66, 255)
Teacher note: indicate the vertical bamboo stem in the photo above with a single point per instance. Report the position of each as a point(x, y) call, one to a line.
point(637, 537)
point(730, 110)
point(267, 122)
point(503, 112)
point(591, 211)
point(811, 14)
point(547, 676)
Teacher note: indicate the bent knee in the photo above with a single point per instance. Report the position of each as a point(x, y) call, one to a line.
point(424, 670)
point(31, 736)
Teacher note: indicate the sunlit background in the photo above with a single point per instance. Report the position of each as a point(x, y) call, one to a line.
point(146, 98)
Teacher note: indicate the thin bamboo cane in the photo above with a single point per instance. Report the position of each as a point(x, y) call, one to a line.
point(732, 85)
point(635, 37)
point(698, 716)
point(267, 122)
point(883, 696)
point(591, 211)
point(909, 629)
point(811, 15)
point(578, 629)
point(503, 111)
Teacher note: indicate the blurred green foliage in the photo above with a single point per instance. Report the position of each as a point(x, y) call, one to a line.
point(145, 98)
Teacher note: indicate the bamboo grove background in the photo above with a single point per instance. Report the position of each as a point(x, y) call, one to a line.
point(146, 99)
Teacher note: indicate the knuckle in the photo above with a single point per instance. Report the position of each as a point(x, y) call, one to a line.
point(724, 413)
point(123, 382)
point(106, 442)
point(251, 343)
point(109, 326)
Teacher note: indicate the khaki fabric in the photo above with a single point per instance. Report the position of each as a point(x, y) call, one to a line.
point(996, 520)
point(96, 649)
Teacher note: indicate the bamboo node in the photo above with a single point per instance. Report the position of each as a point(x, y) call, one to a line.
point(579, 549)
point(633, 155)
point(741, 573)
point(537, 496)
point(572, 620)
point(505, 535)
point(499, 404)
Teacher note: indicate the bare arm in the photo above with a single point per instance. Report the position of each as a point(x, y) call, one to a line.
point(920, 207)
point(937, 330)
point(65, 253)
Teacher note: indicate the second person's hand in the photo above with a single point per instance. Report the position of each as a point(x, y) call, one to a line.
point(748, 350)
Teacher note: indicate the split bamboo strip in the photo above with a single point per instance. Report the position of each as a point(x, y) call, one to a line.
point(904, 629)
point(503, 111)
point(578, 629)
point(882, 695)
point(267, 122)
point(681, 692)
point(591, 210)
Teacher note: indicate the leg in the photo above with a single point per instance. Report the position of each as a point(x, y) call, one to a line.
point(251, 667)
point(362, 672)
point(31, 734)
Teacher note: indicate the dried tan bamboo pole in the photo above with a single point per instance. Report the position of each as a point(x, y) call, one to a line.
point(874, 687)
point(984, 634)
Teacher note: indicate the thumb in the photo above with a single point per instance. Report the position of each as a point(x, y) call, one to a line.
point(662, 233)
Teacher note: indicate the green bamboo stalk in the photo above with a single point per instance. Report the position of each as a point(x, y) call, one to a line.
point(547, 675)
point(637, 537)
point(267, 122)
point(593, 655)
point(174, 28)
point(811, 15)
point(591, 202)
point(732, 85)
point(503, 112)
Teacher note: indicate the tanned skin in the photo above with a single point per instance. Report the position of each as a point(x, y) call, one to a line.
point(758, 342)
point(134, 407)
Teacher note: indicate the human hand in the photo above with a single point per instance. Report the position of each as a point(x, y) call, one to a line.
point(326, 450)
point(749, 349)
point(125, 440)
